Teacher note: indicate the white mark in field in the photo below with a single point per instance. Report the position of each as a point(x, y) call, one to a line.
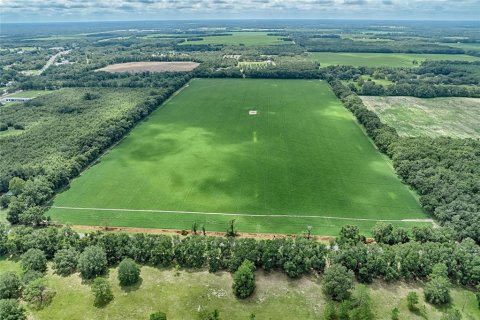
point(243, 214)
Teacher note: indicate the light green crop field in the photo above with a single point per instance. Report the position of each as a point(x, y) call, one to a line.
point(302, 160)
point(455, 117)
point(382, 59)
point(237, 38)
point(181, 294)
point(30, 93)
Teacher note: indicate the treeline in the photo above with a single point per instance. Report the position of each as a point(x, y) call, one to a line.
point(444, 171)
point(349, 45)
point(421, 90)
point(398, 255)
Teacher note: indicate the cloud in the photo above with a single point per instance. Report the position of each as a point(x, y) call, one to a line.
point(30, 10)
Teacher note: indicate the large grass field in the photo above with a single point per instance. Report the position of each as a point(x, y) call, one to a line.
point(302, 160)
point(455, 117)
point(382, 59)
point(180, 295)
point(247, 38)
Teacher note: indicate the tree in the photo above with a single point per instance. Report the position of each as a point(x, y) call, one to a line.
point(361, 304)
point(11, 310)
point(330, 313)
point(92, 262)
point(159, 315)
point(208, 315)
point(452, 314)
point(33, 216)
point(244, 280)
point(412, 300)
point(102, 292)
point(349, 235)
point(10, 285)
point(37, 294)
point(337, 282)
point(30, 276)
point(437, 291)
point(65, 261)
point(34, 259)
point(128, 272)
point(395, 314)
point(231, 232)
point(16, 185)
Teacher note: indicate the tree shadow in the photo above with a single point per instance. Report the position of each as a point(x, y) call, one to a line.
point(133, 287)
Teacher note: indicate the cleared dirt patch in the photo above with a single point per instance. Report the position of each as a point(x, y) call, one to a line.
point(136, 67)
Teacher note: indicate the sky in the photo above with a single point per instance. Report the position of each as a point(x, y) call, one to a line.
point(104, 10)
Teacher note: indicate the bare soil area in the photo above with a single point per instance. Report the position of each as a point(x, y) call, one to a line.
point(136, 67)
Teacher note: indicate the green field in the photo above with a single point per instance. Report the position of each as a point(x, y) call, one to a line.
point(410, 116)
point(30, 93)
point(202, 157)
point(181, 295)
point(382, 59)
point(237, 38)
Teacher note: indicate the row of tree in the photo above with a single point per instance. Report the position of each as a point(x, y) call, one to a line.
point(444, 171)
point(411, 257)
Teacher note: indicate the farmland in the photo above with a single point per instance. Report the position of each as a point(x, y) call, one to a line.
point(136, 67)
point(382, 59)
point(202, 158)
point(456, 117)
point(240, 38)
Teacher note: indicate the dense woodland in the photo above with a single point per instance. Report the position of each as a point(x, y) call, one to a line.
point(444, 171)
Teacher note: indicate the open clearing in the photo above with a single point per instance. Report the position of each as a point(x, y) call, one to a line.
point(382, 59)
point(136, 67)
point(456, 117)
point(240, 38)
point(302, 160)
point(181, 296)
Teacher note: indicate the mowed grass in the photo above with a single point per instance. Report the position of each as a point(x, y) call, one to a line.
point(182, 294)
point(382, 59)
point(455, 117)
point(302, 156)
point(248, 38)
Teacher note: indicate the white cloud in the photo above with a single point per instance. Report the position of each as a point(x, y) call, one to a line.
point(64, 10)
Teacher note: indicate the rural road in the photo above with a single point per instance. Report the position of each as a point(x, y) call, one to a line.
point(52, 60)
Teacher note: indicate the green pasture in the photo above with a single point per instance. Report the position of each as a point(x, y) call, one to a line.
point(181, 294)
point(30, 93)
point(410, 116)
point(250, 38)
point(203, 158)
point(383, 59)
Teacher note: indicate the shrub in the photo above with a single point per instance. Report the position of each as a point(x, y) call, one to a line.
point(337, 282)
point(34, 259)
point(30, 276)
point(128, 272)
point(158, 316)
point(11, 310)
point(395, 314)
point(65, 261)
point(244, 280)
point(208, 315)
point(412, 300)
point(437, 291)
point(452, 314)
point(92, 262)
point(18, 126)
point(3, 126)
point(102, 292)
point(37, 294)
point(9, 286)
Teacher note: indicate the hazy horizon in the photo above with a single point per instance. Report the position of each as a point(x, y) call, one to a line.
point(31, 11)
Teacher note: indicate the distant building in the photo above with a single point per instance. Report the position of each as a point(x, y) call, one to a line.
point(14, 99)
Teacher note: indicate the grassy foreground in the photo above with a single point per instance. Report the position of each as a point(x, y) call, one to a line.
point(181, 296)
point(382, 59)
point(302, 156)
